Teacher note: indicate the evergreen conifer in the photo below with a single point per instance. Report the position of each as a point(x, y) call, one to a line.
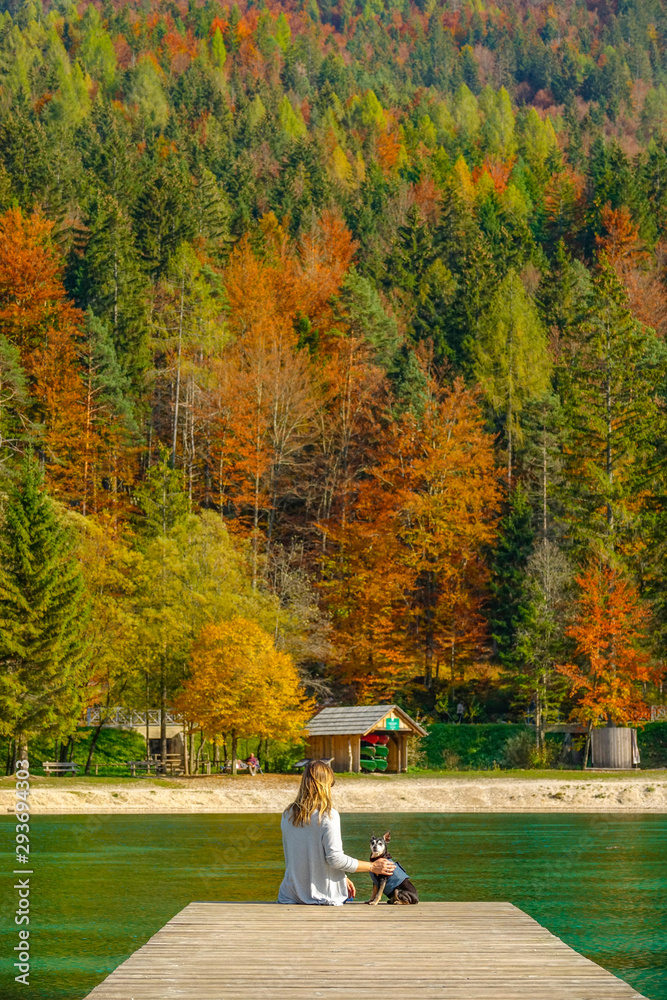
point(510, 599)
point(43, 615)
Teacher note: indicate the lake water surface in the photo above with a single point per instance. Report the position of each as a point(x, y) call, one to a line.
point(104, 884)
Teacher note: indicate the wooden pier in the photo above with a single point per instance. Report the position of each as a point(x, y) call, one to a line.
point(440, 951)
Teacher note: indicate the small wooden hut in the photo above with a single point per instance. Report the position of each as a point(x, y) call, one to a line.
point(345, 735)
point(614, 747)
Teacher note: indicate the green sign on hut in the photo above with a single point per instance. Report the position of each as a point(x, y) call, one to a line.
point(362, 737)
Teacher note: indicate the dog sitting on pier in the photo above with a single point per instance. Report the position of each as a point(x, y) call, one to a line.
point(397, 887)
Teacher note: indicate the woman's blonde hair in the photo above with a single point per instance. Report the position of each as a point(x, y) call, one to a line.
point(314, 793)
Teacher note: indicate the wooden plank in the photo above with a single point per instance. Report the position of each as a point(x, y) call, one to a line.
point(356, 754)
point(446, 951)
point(340, 754)
point(393, 757)
point(404, 753)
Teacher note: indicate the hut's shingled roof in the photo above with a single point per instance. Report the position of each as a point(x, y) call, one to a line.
point(355, 720)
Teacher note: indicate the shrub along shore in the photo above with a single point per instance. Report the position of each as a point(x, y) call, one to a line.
point(488, 745)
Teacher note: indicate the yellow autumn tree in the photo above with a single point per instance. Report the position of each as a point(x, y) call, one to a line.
point(242, 685)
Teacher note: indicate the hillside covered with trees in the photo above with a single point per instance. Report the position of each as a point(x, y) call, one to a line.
point(340, 322)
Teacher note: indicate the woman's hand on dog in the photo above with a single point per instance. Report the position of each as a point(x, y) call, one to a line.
point(382, 867)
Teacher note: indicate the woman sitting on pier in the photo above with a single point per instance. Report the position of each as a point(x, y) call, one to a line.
point(315, 865)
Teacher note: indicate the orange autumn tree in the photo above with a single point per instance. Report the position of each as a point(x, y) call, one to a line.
point(66, 409)
point(38, 319)
point(609, 666)
point(363, 583)
point(268, 402)
point(404, 573)
point(348, 421)
point(71, 407)
point(564, 204)
point(620, 245)
point(451, 493)
point(641, 272)
point(241, 685)
point(261, 410)
point(32, 297)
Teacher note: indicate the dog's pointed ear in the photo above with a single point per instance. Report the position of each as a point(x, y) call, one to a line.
point(387, 836)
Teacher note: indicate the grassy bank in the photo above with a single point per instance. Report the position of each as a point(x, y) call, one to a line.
point(419, 792)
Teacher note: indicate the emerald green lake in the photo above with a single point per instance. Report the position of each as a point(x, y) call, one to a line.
point(102, 885)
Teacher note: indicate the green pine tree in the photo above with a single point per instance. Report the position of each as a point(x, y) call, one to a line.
point(165, 507)
point(611, 377)
point(540, 642)
point(510, 599)
point(97, 52)
point(362, 310)
point(43, 615)
point(422, 283)
point(408, 381)
point(513, 364)
point(218, 50)
point(541, 461)
point(109, 155)
point(467, 253)
point(563, 292)
point(109, 280)
point(163, 217)
point(212, 215)
point(162, 498)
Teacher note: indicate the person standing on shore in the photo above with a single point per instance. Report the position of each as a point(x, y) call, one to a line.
point(316, 866)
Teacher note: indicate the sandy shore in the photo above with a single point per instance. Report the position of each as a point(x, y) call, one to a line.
point(639, 792)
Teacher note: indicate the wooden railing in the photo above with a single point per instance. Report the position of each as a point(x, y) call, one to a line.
point(119, 717)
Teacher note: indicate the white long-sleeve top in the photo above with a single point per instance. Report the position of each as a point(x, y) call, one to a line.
point(315, 863)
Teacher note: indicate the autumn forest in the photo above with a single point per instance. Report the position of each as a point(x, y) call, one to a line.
point(332, 360)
